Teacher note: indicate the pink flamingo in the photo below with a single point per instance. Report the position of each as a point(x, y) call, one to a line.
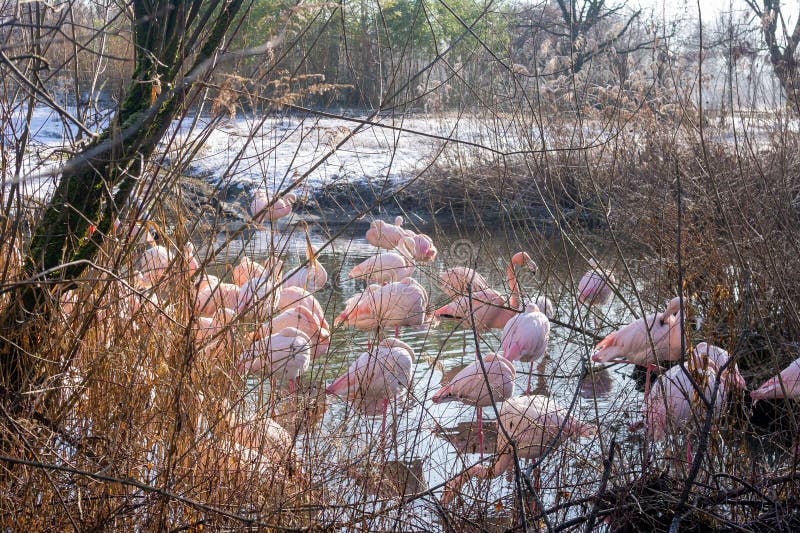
point(525, 338)
point(423, 249)
point(720, 358)
point(595, 286)
point(672, 401)
point(213, 333)
point(543, 304)
point(259, 443)
point(469, 386)
point(784, 385)
point(489, 306)
point(401, 303)
point(259, 294)
point(286, 354)
point(260, 208)
point(387, 267)
point(634, 343)
point(377, 376)
point(304, 320)
point(385, 235)
point(191, 259)
point(534, 423)
point(291, 297)
point(213, 295)
point(454, 281)
point(153, 263)
point(247, 269)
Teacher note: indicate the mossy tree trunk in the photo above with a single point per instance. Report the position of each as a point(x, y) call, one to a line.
point(174, 41)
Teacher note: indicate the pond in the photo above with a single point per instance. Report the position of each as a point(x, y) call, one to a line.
point(427, 444)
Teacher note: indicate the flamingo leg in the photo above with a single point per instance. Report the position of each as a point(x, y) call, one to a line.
point(480, 431)
point(291, 386)
point(537, 486)
point(272, 397)
point(689, 450)
point(530, 375)
point(397, 331)
point(650, 368)
point(383, 426)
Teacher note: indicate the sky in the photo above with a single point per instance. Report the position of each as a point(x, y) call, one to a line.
point(670, 9)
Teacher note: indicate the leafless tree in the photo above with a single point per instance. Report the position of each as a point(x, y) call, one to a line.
point(781, 43)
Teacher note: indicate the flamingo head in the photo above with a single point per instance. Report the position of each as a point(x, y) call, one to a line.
point(424, 250)
point(445, 394)
point(734, 378)
point(224, 316)
point(593, 264)
point(451, 311)
point(721, 359)
point(242, 271)
point(523, 259)
point(360, 310)
point(275, 267)
point(398, 221)
point(674, 306)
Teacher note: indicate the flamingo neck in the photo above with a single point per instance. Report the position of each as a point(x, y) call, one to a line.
point(513, 285)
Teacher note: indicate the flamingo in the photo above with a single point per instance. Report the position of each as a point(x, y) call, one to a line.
point(261, 435)
point(384, 234)
point(247, 269)
point(489, 306)
point(535, 424)
point(377, 375)
point(454, 281)
point(634, 343)
point(312, 276)
point(720, 358)
point(543, 304)
point(304, 320)
point(784, 385)
point(400, 303)
point(260, 207)
point(191, 259)
point(208, 331)
point(469, 386)
point(286, 354)
point(256, 292)
point(153, 263)
point(595, 286)
point(212, 295)
point(299, 297)
point(387, 267)
point(672, 401)
point(525, 338)
point(424, 250)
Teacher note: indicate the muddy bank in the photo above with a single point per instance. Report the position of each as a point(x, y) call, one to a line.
point(353, 205)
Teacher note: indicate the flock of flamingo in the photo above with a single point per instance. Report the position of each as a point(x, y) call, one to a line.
point(292, 332)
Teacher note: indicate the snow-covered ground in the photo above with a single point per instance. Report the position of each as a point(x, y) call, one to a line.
point(316, 151)
point(275, 151)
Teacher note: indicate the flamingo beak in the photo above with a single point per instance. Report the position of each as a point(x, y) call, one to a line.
point(341, 318)
point(446, 311)
point(736, 378)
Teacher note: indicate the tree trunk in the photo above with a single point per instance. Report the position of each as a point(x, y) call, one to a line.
point(167, 34)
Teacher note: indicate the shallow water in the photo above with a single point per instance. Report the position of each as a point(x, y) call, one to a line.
point(431, 440)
